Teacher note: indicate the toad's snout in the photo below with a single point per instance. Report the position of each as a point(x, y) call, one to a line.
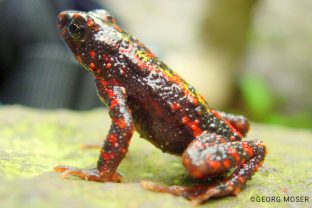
point(62, 20)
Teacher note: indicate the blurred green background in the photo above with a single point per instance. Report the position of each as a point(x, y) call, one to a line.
point(250, 57)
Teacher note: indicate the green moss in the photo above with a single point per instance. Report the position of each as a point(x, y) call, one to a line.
point(32, 142)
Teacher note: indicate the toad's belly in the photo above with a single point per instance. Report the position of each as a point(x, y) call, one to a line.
point(166, 133)
point(169, 137)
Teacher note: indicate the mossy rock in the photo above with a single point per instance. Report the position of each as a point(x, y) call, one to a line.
point(32, 142)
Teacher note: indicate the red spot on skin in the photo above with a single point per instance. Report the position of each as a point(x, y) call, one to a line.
point(76, 16)
point(114, 81)
point(193, 99)
point(215, 165)
point(193, 125)
point(112, 138)
point(235, 156)
point(121, 123)
point(247, 148)
point(185, 119)
point(110, 93)
point(111, 155)
point(142, 65)
point(113, 104)
point(92, 54)
point(227, 163)
point(104, 83)
point(197, 132)
point(105, 155)
point(90, 22)
point(105, 57)
point(92, 66)
point(108, 66)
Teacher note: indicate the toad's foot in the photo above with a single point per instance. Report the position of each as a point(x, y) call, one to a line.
point(91, 174)
point(186, 192)
point(196, 194)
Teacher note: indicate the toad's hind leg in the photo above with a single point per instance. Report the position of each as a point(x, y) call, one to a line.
point(240, 123)
point(203, 160)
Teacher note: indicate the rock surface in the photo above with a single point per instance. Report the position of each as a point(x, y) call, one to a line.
point(32, 142)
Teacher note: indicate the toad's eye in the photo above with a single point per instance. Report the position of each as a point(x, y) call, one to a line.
point(76, 31)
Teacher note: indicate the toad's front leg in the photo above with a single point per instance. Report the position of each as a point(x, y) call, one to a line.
point(116, 143)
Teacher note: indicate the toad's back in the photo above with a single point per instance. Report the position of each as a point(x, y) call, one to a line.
point(166, 110)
